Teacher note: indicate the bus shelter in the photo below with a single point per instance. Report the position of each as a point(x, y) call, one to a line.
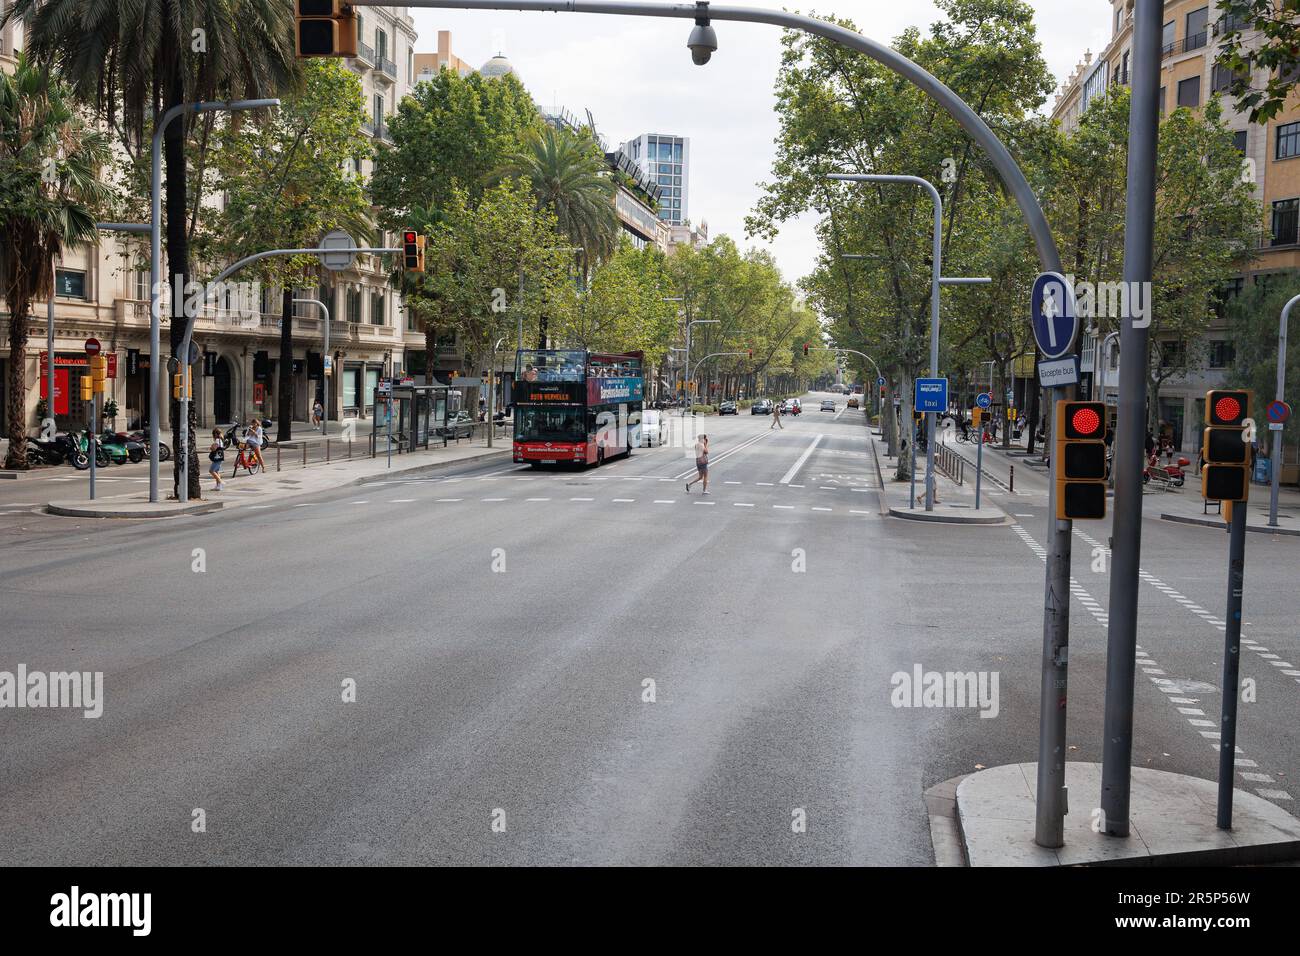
point(412, 414)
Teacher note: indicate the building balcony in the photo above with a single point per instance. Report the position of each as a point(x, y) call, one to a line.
point(387, 69)
point(365, 54)
point(368, 127)
point(1196, 41)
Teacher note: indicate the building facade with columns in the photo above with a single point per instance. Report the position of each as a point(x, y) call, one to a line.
point(102, 291)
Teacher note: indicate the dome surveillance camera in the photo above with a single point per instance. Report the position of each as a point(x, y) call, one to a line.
point(703, 41)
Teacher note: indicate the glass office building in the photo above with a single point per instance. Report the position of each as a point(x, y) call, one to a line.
point(666, 159)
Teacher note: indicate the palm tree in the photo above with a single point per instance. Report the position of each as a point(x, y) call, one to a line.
point(568, 175)
point(135, 59)
point(50, 162)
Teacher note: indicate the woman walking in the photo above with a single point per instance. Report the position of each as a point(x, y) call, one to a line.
point(701, 464)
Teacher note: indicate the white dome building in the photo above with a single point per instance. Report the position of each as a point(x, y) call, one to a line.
point(498, 66)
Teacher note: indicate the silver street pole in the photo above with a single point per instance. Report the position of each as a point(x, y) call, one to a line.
point(1231, 663)
point(49, 349)
point(155, 256)
point(1126, 525)
point(1275, 466)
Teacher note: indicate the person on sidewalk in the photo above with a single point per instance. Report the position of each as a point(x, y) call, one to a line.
point(317, 413)
point(776, 417)
point(254, 441)
point(701, 464)
point(216, 457)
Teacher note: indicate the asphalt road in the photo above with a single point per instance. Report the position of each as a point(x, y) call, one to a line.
point(501, 625)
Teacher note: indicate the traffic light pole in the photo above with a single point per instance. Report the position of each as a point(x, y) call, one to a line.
point(1231, 663)
point(1126, 525)
point(92, 444)
point(1275, 466)
point(325, 379)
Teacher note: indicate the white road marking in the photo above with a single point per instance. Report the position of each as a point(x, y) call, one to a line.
point(400, 501)
point(799, 463)
point(537, 499)
point(704, 502)
point(665, 501)
point(451, 499)
point(494, 499)
point(624, 501)
point(582, 499)
point(365, 502)
point(741, 504)
point(821, 509)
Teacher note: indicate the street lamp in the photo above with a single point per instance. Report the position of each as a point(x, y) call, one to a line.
point(689, 324)
point(155, 255)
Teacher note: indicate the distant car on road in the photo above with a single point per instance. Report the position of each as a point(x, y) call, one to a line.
point(462, 426)
point(654, 428)
point(728, 408)
point(761, 407)
point(828, 405)
point(853, 401)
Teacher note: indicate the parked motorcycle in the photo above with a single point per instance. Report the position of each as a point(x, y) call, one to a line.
point(142, 438)
point(120, 450)
point(1167, 476)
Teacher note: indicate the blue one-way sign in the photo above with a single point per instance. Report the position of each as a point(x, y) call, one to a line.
point(931, 394)
point(1052, 309)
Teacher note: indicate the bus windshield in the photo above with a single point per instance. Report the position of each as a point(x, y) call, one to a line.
point(550, 424)
point(566, 366)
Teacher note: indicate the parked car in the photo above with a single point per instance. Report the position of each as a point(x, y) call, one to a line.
point(462, 426)
point(828, 405)
point(728, 408)
point(853, 401)
point(761, 407)
point(654, 428)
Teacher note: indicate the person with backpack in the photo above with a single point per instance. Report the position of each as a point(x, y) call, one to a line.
point(216, 457)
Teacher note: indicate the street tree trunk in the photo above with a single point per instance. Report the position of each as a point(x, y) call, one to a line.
point(178, 269)
point(16, 374)
point(284, 380)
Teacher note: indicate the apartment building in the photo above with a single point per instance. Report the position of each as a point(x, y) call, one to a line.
point(102, 290)
point(1270, 152)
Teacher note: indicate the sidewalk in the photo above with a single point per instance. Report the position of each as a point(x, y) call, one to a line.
point(293, 481)
point(1186, 506)
point(954, 504)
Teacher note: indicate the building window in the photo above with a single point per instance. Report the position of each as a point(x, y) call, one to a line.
point(377, 316)
point(410, 66)
point(353, 304)
point(1288, 141)
point(379, 114)
point(1167, 39)
point(381, 44)
point(1189, 92)
point(1197, 29)
point(1162, 101)
point(70, 284)
point(1172, 354)
point(1220, 79)
point(1285, 221)
point(1239, 141)
point(1119, 13)
point(1222, 353)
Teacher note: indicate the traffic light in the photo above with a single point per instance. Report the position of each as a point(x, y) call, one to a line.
point(1080, 460)
point(87, 388)
point(1225, 475)
point(181, 381)
point(805, 349)
point(99, 372)
point(324, 28)
point(412, 251)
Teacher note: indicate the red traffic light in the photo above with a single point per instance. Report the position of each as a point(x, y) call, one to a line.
point(1085, 421)
point(408, 236)
point(1228, 408)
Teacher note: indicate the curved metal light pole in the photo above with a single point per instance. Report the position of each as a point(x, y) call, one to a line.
point(1049, 828)
point(155, 257)
point(325, 383)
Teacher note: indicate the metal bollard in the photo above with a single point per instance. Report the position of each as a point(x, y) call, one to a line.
point(1011, 485)
point(277, 458)
point(304, 454)
point(327, 451)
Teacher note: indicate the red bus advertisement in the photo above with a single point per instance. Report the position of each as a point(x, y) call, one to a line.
point(574, 406)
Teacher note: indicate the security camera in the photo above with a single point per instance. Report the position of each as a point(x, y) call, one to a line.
point(703, 41)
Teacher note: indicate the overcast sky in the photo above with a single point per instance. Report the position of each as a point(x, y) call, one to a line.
point(636, 76)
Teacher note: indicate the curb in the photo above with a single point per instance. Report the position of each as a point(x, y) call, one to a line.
point(433, 466)
point(1211, 523)
point(154, 510)
point(936, 518)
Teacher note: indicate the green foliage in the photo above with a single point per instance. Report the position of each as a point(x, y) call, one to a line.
point(1265, 35)
point(51, 189)
point(624, 309)
point(1254, 317)
point(291, 179)
point(450, 133)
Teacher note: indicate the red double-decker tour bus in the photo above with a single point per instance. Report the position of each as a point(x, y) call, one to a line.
point(576, 406)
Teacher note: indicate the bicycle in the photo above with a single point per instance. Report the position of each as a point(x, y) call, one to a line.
point(251, 463)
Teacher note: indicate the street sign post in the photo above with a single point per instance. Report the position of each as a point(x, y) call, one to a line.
point(932, 395)
point(338, 261)
point(984, 400)
point(92, 346)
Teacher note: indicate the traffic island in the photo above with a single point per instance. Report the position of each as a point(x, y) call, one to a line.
point(129, 507)
point(950, 514)
point(1171, 822)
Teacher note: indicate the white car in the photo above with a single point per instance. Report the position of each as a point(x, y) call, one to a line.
point(654, 428)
